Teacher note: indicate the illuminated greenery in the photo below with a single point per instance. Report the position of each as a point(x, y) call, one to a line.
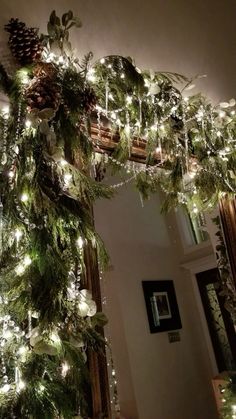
point(47, 191)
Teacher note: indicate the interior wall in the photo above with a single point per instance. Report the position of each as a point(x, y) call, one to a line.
point(190, 37)
point(156, 379)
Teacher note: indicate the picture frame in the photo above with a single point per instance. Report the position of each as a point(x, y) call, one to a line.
point(161, 304)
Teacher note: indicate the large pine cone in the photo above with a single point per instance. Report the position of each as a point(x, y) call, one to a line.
point(24, 42)
point(44, 90)
point(88, 99)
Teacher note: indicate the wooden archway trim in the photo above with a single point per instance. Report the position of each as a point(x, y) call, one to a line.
point(228, 219)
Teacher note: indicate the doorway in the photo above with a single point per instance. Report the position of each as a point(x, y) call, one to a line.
point(220, 325)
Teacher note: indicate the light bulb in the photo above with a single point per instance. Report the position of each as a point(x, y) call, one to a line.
point(18, 234)
point(5, 112)
point(5, 388)
point(221, 114)
point(218, 134)
point(28, 123)
point(24, 197)
point(67, 178)
point(158, 150)
point(22, 350)
point(64, 369)
point(27, 260)
point(129, 99)
point(24, 77)
point(80, 242)
point(122, 76)
point(232, 113)
point(61, 60)
point(195, 210)
point(11, 174)
point(21, 385)
point(63, 162)
point(54, 337)
point(7, 334)
point(20, 269)
point(91, 75)
point(102, 61)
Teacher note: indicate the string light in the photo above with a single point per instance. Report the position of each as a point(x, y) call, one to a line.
point(64, 369)
point(80, 242)
point(5, 112)
point(24, 197)
point(28, 123)
point(18, 234)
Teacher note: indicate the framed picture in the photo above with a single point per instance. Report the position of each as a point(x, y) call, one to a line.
point(162, 306)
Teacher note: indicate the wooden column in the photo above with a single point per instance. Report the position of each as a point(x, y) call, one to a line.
point(97, 362)
point(228, 219)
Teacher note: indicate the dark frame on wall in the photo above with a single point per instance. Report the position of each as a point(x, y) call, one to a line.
point(162, 307)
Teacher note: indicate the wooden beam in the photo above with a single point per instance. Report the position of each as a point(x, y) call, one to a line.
point(104, 140)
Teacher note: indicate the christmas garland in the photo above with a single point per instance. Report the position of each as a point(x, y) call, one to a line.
point(48, 320)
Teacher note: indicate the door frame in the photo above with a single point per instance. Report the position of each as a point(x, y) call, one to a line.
point(196, 266)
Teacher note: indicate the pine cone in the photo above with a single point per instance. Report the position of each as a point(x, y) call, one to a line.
point(24, 42)
point(88, 100)
point(44, 90)
point(43, 93)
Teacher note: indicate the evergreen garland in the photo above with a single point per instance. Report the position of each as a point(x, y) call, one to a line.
point(48, 320)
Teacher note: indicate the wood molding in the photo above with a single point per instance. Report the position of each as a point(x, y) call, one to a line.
point(106, 141)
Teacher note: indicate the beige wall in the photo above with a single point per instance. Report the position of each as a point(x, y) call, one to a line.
point(189, 36)
point(157, 380)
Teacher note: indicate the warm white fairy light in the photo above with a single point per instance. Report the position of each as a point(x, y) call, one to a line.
point(28, 123)
point(11, 174)
point(54, 337)
point(222, 114)
point(22, 350)
point(27, 260)
point(64, 369)
point(20, 269)
point(154, 127)
point(63, 162)
point(122, 76)
point(102, 61)
point(5, 112)
point(18, 234)
point(21, 385)
point(129, 99)
point(61, 59)
point(91, 75)
point(5, 388)
point(24, 77)
point(67, 178)
point(218, 134)
point(7, 334)
point(24, 197)
point(80, 242)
